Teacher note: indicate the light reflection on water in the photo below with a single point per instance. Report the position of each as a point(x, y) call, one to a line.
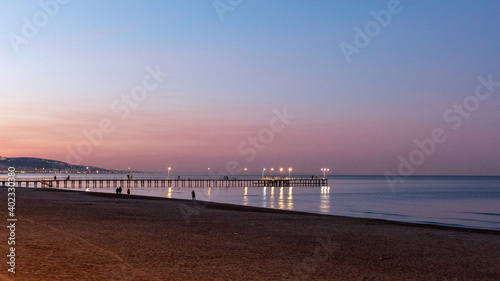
point(280, 201)
point(271, 201)
point(324, 201)
point(289, 205)
point(245, 197)
point(264, 201)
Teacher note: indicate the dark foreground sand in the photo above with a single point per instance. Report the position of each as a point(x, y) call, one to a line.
point(65, 235)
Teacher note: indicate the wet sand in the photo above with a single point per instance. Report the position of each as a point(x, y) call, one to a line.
point(67, 235)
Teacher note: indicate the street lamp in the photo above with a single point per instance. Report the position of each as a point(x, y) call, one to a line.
point(245, 173)
point(263, 170)
point(324, 171)
point(169, 168)
point(281, 170)
point(289, 170)
point(271, 173)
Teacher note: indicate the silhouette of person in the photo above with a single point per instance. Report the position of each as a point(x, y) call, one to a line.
point(193, 195)
point(55, 177)
point(128, 191)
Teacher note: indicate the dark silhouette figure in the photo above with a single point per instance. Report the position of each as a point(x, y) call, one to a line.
point(128, 191)
point(193, 195)
point(55, 177)
point(119, 190)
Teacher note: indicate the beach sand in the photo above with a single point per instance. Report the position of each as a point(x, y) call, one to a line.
point(68, 235)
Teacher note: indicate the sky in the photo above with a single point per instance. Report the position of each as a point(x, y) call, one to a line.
point(359, 87)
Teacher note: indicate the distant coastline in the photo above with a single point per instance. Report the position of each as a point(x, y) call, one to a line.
point(40, 165)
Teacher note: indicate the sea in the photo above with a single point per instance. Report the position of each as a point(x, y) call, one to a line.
point(461, 201)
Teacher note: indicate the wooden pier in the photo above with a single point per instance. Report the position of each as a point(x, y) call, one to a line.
point(164, 182)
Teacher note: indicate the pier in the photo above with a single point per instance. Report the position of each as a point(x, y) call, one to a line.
point(165, 182)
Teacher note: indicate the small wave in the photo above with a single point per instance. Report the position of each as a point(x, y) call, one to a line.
point(443, 224)
point(384, 214)
point(484, 214)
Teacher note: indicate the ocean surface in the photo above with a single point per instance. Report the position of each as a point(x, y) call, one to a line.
point(472, 202)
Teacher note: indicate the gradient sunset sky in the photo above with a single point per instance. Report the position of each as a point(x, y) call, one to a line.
point(231, 67)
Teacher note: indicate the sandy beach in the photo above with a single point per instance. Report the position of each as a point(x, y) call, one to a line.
point(67, 235)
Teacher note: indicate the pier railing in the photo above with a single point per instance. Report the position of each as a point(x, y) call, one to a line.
point(130, 182)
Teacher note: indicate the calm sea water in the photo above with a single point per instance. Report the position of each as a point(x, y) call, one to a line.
point(457, 201)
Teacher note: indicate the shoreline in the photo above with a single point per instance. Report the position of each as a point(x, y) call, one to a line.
point(64, 235)
point(273, 210)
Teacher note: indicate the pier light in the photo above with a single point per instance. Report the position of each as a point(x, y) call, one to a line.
point(169, 168)
point(324, 171)
point(289, 170)
point(271, 174)
point(263, 170)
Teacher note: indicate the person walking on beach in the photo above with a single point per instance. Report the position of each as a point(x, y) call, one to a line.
point(128, 191)
point(193, 195)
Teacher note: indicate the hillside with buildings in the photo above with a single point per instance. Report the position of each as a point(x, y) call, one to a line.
point(39, 165)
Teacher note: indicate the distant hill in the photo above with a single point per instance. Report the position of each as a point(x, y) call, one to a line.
point(39, 165)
